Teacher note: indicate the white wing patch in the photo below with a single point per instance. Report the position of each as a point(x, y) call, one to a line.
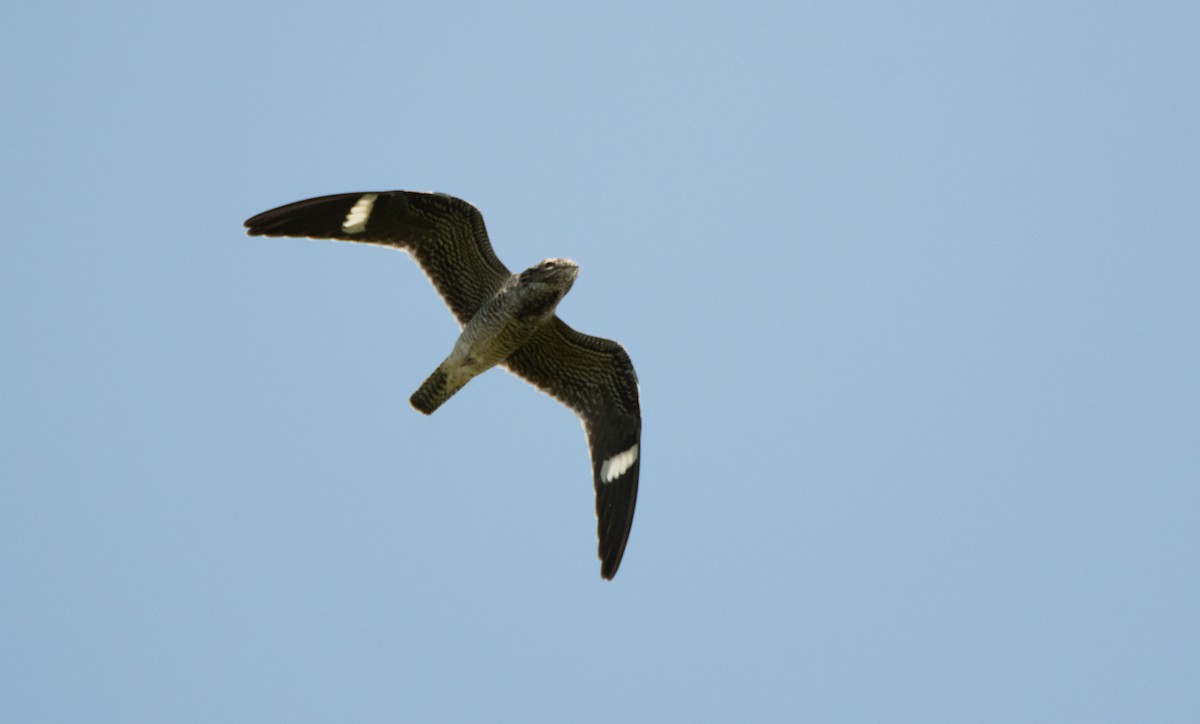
point(356, 220)
point(616, 466)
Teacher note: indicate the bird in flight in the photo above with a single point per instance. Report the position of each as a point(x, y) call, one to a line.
point(507, 319)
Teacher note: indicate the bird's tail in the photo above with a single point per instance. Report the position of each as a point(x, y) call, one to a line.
point(437, 388)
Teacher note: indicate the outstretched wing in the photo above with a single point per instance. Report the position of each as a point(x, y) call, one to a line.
point(444, 234)
point(595, 378)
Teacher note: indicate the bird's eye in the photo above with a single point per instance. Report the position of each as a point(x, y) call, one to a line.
point(549, 265)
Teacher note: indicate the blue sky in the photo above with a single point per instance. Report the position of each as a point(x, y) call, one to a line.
point(912, 292)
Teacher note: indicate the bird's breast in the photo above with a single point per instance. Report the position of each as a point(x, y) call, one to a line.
point(499, 328)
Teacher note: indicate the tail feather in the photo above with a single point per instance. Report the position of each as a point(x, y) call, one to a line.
point(433, 392)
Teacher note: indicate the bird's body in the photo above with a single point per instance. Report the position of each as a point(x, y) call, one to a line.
point(507, 319)
point(505, 322)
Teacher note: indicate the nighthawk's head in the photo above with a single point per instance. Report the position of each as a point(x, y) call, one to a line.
point(555, 274)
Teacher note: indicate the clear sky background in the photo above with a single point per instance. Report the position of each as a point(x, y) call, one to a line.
point(913, 292)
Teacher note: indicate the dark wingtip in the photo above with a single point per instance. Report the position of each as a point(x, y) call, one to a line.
point(615, 505)
point(610, 561)
point(256, 225)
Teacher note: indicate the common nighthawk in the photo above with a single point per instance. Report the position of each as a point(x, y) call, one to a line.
point(507, 319)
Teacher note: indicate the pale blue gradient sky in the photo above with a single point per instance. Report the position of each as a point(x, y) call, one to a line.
point(912, 292)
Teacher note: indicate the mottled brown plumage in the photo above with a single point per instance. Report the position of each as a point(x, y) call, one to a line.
point(507, 319)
